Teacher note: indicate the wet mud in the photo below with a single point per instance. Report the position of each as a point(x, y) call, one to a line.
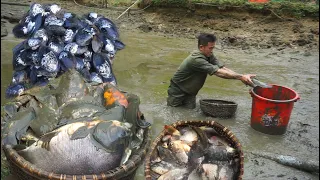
point(279, 51)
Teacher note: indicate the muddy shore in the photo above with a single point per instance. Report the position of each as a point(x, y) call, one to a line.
point(236, 31)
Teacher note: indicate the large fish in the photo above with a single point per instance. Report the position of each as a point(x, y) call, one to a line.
point(80, 148)
point(18, 125)
point(71, 85)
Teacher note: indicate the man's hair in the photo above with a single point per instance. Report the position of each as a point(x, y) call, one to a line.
point(204, 38)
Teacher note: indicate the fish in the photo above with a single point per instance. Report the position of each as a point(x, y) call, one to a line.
point(15, 90)
point(219, 153)
point(71, 85)
point(166, 155)
point(55, 30)
point(175, 174)
point(119, 45)
point(81, 50)
point(10, 109)
point(95, 78)
point(19, 77)
point(102, 66)
point(96, 44)
point(194, 175)
point(226, 173)
point(209, 171)
point(116, 113)
point(308, 165)
point(17, 126)
point(20, 30)
point(161, 167)
point(195, 155)
point(107, 27)
point(52, 8)
point(84, 36)
point(53, 20)
point(93, 157)
point(36, 9)
point(180, 150)
point(33, 43)
point(42, 34)
point(109, 46)
point(20, 60)
point(71, 47)
point(172, 131)
point(256, 82)
point(189, 136)
point(79, 109)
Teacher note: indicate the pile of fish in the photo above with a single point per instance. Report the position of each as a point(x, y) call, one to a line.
point(73, 127)
point(194, 153)
point(56, 40)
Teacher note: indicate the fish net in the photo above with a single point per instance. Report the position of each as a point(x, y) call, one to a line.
point(220, 129)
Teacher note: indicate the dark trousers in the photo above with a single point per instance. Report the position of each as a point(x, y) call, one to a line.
point(177, 97)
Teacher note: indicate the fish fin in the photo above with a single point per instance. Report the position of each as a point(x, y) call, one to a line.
point(18, 31)
point(46, 138)
point(119, 45)
point(80, 133)
point(202, 136)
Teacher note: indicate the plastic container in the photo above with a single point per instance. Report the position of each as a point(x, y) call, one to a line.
point(271, 108)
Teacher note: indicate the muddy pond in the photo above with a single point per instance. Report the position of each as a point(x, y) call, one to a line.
point(149, 60)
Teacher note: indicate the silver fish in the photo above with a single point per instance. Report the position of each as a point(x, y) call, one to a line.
point(162, 167)
point(226, 173)
point(260, 84)
point(176, 174)
point(209, 171)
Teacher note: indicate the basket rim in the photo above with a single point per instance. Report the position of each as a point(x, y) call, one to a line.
point(128, 167)
point(218, 102)
point(198, 122)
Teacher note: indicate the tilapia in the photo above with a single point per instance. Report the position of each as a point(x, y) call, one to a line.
point(209, 171)
point(162, 167)
point(176, 174)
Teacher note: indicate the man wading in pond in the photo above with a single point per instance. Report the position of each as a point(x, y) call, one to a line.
point(192, 73)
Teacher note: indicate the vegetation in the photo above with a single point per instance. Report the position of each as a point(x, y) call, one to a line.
point(291, 8)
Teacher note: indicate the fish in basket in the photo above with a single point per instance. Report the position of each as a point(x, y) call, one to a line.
point(195, 150)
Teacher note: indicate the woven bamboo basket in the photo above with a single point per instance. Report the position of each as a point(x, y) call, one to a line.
point(223, 131)
point(218, 108)
point(24, 170)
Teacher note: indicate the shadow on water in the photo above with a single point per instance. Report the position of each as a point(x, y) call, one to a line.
point(148, 62)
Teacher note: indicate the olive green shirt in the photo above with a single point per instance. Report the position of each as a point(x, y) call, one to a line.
point(193, 71)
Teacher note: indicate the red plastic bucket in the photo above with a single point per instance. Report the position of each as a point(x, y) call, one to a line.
point(271, 108)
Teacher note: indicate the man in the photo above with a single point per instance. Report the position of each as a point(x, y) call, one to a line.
point(192, 73)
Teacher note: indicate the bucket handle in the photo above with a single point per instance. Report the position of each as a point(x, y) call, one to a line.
point(298, 98)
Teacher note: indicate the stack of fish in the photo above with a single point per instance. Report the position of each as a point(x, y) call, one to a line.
point(73, 127)
point(56, 41)
point(194, 153)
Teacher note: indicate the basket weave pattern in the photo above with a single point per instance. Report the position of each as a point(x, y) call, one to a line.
point(223, 131)
point(26, 171)
point(218, 108)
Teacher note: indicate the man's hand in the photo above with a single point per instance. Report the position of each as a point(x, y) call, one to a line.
point(246, 79)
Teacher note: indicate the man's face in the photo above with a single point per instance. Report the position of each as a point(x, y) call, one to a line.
point(207, 50)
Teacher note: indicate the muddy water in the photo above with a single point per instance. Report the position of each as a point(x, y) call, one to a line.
point(147, 63)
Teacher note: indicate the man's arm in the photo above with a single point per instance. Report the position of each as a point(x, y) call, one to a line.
point(229, 74)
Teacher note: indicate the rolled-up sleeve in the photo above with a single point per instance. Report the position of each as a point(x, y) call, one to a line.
point(215, 61)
